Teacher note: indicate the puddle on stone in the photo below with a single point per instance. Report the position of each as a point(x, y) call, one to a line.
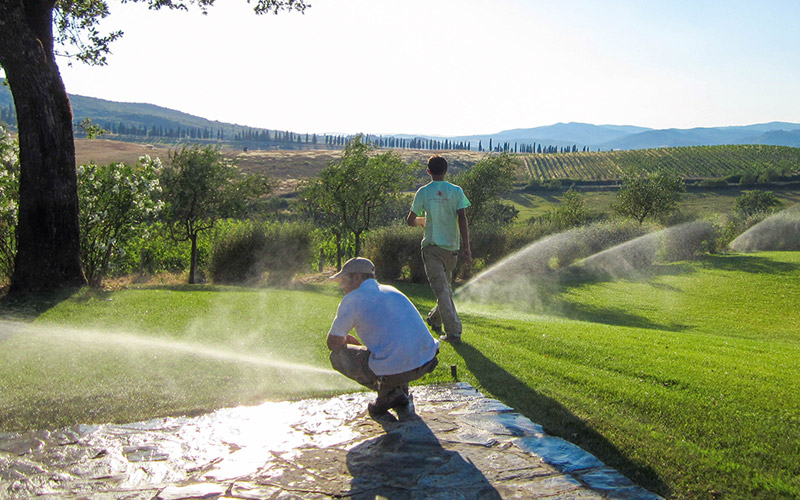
point(458, 444)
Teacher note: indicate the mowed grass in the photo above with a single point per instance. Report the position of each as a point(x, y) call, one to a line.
point(685, 379)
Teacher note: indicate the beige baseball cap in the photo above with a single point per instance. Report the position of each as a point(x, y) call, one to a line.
point(356, 265)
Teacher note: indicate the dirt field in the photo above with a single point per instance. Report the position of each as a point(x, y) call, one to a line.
point(286, 167)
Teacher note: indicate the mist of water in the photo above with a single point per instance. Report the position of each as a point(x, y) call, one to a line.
point(50, 333)
point(780, 231)
point(532, 276)
point(634, 258)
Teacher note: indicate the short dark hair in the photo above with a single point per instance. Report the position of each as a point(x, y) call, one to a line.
point(437, 165)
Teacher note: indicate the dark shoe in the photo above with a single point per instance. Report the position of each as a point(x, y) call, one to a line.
point(376, 411)
point(397, 398)
point(436, 329)
point(453, 339)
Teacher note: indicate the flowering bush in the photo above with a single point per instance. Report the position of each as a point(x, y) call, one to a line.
point(114, 199)
point(9, 195)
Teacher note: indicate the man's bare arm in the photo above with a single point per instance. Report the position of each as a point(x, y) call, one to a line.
point(412, 220)
point(463, 228)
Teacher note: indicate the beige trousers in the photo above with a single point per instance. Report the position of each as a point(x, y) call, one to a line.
point(439, 266)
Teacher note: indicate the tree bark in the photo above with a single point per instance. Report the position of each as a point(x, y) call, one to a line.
point(193, 259)
point(48, 238)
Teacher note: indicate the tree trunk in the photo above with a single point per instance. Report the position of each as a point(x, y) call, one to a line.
point(357, 244)
point(193, 259)
point(48, 238)
point(338, 252)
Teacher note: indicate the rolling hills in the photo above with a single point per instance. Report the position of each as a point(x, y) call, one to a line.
point(146, 122)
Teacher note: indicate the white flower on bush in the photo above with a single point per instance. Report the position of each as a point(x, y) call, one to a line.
point(114, 199)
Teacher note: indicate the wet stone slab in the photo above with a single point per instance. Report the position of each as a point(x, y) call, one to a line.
point(453, 444)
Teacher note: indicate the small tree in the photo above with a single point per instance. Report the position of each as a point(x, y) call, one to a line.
point(753, 202)
point(484, 184)
point(652, 195)
point(349, 191)
point(200, 187)
point(9, 196)
point(113, 200)
point(571, 212)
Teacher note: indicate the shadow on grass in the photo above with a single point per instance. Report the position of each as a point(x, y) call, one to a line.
point(556, 419)
point(612, 316)
point(750, 264)
point(29, 306)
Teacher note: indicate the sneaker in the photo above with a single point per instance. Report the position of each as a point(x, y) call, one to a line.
point(453, 339)
point(436, 329)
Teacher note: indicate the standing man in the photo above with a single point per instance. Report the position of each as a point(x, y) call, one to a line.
point(397, 347)
point(439, 207)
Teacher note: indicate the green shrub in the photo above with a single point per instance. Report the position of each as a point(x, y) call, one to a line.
point(288, 250)
point(545, 185)
point(395, 250)
point(688, 241)
point(753, 202)
point(733, 178)
point(237, 255)
point(246, 250)
point(748, 179)
point(152, 251)
point(488, 245)
point(713, 183)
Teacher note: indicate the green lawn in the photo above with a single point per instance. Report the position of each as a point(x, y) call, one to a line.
point(686, 380)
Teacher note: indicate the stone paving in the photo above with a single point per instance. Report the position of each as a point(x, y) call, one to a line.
point(453, 443)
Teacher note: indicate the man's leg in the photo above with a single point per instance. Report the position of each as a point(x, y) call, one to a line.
point(439, 266)
point(393, 392)
point(352, 361)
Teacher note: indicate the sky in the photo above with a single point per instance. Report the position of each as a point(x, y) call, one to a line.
point(458, 67)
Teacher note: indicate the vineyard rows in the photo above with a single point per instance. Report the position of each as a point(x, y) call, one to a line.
point(688, 162)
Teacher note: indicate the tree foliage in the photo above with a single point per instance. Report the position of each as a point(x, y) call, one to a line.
point(200, 187)
point(754, 202)
point(77, 23)
point(650, 195)
point(114, 199)
point(349, 192)
point(571, 212)
point(491, 178)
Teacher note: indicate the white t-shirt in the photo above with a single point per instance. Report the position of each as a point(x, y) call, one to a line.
point(389, 326)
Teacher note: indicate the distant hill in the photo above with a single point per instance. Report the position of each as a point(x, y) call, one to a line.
point(773, 133)
point(560, 134)
point(154, 124)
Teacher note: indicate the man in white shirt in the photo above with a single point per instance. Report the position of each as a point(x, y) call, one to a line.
point(393, 346)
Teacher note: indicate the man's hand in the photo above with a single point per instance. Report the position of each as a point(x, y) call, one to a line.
point(412, 220)
point(466, 255)
point(336, 342)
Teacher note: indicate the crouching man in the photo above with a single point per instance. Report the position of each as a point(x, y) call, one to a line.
point(393, 346)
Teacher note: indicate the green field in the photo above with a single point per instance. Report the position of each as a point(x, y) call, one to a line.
point(693, 161)
point(685, 378)
point(698, 204)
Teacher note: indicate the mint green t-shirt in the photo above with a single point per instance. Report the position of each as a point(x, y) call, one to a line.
point(439, 202)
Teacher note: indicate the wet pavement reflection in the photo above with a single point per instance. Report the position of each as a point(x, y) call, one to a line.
point(453, 443)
